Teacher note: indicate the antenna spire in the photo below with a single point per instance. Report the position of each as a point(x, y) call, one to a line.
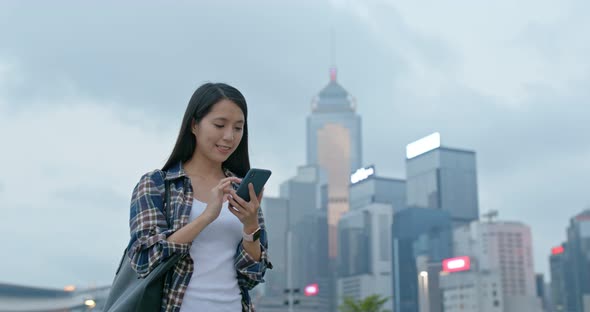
point(333, 71)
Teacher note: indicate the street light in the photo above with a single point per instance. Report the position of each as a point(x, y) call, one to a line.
point(424, 304)
point(90, 303)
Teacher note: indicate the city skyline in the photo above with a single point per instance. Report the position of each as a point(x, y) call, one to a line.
point(124, 87)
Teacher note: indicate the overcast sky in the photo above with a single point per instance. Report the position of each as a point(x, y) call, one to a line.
point(92, 95)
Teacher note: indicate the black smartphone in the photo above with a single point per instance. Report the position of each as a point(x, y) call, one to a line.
point(257, 177)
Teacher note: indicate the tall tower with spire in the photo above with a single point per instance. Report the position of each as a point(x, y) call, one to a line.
point(334, 143)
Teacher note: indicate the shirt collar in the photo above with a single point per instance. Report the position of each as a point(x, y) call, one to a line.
point(176, 171)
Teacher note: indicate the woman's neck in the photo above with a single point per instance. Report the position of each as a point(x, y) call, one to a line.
point(202, 167)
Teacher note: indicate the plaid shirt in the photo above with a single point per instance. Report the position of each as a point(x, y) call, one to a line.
point(150, 227)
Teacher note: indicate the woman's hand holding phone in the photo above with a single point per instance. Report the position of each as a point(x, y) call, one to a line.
point(246, 212)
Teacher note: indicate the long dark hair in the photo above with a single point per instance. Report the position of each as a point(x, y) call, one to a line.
point(198, 107)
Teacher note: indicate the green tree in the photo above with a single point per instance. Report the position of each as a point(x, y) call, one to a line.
point(373, 303)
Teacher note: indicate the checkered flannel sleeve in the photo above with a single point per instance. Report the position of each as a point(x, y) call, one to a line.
point(148, 226)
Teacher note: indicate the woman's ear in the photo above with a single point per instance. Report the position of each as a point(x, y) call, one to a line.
point(194, 127)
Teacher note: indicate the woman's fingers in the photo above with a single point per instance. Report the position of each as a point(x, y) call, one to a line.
point(238, 199)
point(260, 196)
point(235, 206)
point(235, 203)
point(228, 181)
point(235, 212)
point(252, 193)
point(224, 184)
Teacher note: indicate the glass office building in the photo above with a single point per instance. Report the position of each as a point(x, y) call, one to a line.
point(570, 267)
point(376, 189)
point(417, 233)
point(334, 143)
point(557, 265)
point(446, 179)
point(578, 263)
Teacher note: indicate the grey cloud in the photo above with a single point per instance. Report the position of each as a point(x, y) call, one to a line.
point(155, 57)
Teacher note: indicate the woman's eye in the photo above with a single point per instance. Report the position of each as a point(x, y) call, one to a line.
point(239, 129)
point(219, 126)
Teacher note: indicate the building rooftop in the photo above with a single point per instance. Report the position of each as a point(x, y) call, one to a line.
point(333, 98)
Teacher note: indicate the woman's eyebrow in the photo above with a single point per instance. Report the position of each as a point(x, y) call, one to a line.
point(225, 119)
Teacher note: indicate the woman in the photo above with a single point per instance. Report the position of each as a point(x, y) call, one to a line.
point(222, 235)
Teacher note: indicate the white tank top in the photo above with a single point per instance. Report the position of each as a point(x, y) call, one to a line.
point(214, 283)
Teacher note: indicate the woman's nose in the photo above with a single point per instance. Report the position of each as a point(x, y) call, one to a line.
point(228, 135)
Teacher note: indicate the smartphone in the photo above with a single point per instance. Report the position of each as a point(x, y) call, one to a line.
point(257, 177)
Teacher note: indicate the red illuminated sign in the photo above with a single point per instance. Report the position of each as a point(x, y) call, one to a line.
point(457, 264)
point(557, 250)
point(312, 290)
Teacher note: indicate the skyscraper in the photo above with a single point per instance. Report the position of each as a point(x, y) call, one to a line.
point(307, 258)
point(276, 220)
point(559, 276)
point(506, 248)
point(334, 143)
point(442, 178)
point(303, 260)
point(472, 290)
point(365, 252)
point(570, 267)
point(368, 188)
point(422, 238)
point(577, 255)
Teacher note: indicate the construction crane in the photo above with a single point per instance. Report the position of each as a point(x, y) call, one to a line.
point(490, 215)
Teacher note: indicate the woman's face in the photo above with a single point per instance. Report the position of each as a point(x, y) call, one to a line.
point(219, 133)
